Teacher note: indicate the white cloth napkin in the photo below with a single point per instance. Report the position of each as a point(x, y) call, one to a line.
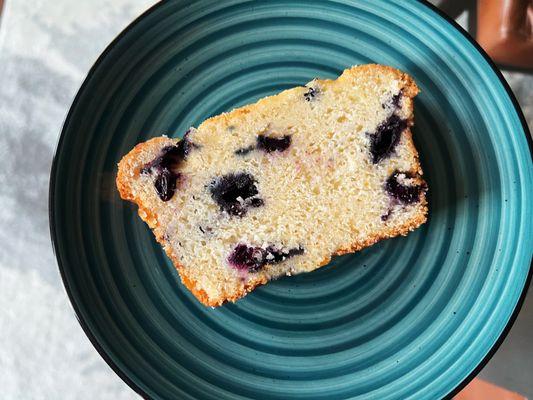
point(46, 48)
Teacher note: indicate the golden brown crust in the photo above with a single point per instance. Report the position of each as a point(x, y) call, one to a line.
point(128, 166)
point(128, 169)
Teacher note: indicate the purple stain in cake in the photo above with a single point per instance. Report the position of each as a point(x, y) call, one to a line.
point(310, 94)
point(163, 167)
point(271, 144)
point(252, 259)
point(407, 194)
point(235, 193)
point(387, 135)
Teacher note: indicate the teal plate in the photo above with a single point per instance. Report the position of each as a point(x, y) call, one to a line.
point(412, 317)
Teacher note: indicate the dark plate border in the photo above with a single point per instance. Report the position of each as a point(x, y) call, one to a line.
point(53, 228)
point(523, 121)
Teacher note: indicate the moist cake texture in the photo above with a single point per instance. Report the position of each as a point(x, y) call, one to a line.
point(280, 186)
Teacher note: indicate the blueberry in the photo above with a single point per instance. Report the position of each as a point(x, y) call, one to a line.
point(310, 94)
point(235, 192)
point(256, 202)
point(403, 193)
point(244, 150)
point(247, 258)
point(396, 100)
point(169, 155)
point(386, 137)
point(267, 144)
point(275, 255)
point(387, 215)
point(205, 229)
point(169, 158)
point(165, 178)
point(271, 144)
point(252, 259)
point(165, 184)
point(184, 147)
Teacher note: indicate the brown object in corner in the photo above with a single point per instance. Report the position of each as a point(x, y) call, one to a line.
point(482, 390)
point(505, 31)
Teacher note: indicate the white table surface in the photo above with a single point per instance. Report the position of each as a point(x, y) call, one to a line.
point(46, 48)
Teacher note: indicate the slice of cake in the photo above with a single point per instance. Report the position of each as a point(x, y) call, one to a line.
point(280, 186)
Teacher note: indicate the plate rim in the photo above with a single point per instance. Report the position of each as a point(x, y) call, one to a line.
point(52, 186)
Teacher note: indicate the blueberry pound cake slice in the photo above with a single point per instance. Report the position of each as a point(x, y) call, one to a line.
point(280, 186)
